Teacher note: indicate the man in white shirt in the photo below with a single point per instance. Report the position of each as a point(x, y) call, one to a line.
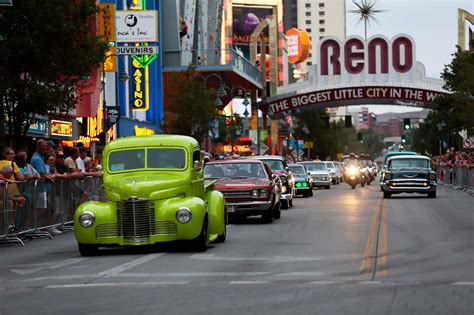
point(82, 160)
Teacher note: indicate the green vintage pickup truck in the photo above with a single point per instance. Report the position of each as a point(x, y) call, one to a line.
point(154, 192)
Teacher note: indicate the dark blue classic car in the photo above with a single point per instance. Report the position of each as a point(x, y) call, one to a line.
point(303, 182)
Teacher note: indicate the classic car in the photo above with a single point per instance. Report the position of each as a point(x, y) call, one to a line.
point(279, 167)
point(303, 182)
point(332, 172)
point(409, 174)
point(384, 165)
point(319, 173)
point(248, 186)
point(154, 192)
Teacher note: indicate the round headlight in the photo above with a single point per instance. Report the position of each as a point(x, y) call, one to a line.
point(184, 215)
point(263, 193)
point(283, 179)
point(86, 219)
point(388, 175)
point(432, 176)
point(254, 193)
point(305, 184)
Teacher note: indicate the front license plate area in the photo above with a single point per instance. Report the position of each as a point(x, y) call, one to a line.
point(230, 209)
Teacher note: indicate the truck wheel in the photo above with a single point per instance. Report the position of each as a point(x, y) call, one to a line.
point(88, 249)
point(267, 217)
point(221, 238)
point(387, 194)
point(200, 243)
point(432, 194)
point(276, 211)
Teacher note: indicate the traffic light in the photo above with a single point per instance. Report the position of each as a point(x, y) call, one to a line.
point(348, 121)
point(406, 124)
point(404, 139)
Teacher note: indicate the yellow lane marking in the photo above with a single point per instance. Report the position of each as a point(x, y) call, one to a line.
point(382, 261)
point(370, 247)
point(369, 253)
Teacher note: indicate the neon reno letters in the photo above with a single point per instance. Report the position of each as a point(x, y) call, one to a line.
point(354, 56)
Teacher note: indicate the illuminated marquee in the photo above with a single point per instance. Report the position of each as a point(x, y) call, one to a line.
point(139, 87)
point(144, 131)
point(61, 128)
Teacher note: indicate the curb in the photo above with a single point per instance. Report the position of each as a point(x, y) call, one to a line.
point(468, 190)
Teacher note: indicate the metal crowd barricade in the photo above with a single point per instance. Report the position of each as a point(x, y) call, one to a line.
point(458, 176)
point(32, 208)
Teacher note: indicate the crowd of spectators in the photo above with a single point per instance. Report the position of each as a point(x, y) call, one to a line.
point(454, 159)
point(47, 164)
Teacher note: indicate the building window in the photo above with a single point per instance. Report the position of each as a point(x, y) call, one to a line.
point(308, 5)
point(322, 30)
point(321, 5)
point(308, 30)
point(308, 63)
point(322, 21)
point(321, 37)
point(308, 13)
point(308, 21)
point(321, 13)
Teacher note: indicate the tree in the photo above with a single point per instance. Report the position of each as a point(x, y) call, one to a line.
point(46, 46)
point(454, 111)
point(366, 10)
point(192, 105)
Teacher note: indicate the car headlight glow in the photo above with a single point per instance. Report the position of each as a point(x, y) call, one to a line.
point(86, 219)
point(184, 215)
point(305, 184)
point(263, 193)
point(255, 193)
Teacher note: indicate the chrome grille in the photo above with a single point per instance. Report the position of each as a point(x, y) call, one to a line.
point(236, 193)
point(106, 230)
point(166, 228)
point(136, 219)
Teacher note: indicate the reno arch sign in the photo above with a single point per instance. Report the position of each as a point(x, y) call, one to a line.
point(358, 72)
point(356, 59)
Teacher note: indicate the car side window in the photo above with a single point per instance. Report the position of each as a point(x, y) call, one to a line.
point(196, 156)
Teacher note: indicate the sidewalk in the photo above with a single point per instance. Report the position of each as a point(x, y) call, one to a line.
point(469, 190)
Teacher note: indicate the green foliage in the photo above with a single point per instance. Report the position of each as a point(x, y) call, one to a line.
point(454, 112)
point(192, 105)
point(46, 46)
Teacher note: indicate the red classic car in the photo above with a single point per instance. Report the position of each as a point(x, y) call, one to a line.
point(249, 188)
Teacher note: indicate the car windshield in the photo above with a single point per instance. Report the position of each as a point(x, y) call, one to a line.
point(275, 165)
point(388, 156)
point(161, 158)
point(300, 170)
point(234, 170)
point(330, 165)
point(408, 163)
point(316, 166)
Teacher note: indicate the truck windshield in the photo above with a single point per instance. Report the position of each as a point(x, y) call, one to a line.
point(316, 166)
point(163, 158)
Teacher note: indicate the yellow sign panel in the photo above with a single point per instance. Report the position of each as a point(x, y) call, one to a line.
point(308, 144)
point(339, 156)
point(143, 131)
point(107, 22)
point(139, 88)
point(110, 63)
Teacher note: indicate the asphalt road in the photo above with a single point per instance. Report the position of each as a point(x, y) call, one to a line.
point(342, 251)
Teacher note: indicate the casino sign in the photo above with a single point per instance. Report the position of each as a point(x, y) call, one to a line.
point(355, 72)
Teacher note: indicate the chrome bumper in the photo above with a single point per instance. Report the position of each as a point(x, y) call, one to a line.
point(421, 186)
point(245, 206)
point(286, 196)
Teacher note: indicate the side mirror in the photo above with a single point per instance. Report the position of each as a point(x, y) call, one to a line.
point(287, 169)
point(197, 166)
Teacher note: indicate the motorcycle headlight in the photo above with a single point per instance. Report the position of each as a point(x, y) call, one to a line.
point(86, 219)
point(432, 176)
point(352, 170)
point(263, 193)
point(184, 215)
point(388, 175)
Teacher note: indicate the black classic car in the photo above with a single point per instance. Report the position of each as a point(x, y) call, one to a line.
point(409, 174)
point(303, 182)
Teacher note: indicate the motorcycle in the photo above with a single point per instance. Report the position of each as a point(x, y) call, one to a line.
point(353, 176)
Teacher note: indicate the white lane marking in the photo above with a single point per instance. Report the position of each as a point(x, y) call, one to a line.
point(248, 282)
point(323, 282)
point(129, 265)
point(462, 283)
point(50, 266)
point(119, 284)
point(301, 274)
point(151, 275)
point(190, 274)
point(370, 282)
point(273, 259)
